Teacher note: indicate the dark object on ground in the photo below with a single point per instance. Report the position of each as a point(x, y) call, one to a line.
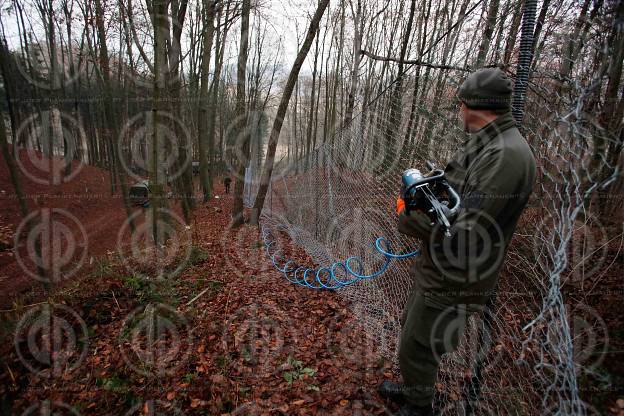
point(139, 194)
point(391, 391)
point(410, 410)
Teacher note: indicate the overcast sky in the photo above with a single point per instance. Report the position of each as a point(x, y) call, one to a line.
point(285, 20)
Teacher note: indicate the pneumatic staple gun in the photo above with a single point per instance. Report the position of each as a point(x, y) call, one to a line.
point(430, 194)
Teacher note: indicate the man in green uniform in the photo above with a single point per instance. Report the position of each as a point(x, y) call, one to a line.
point(493, 172)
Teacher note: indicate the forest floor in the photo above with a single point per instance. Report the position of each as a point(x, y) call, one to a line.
point(249, 344)
point(86, 197)
point(227, 335)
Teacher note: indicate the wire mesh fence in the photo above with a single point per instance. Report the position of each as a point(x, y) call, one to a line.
point(519, 356)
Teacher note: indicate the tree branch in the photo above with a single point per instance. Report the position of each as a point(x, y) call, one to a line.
point(408, 62)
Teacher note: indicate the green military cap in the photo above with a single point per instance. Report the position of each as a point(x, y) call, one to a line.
point(487, 88)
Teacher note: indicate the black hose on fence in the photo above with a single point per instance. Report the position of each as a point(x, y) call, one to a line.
point(524, 59)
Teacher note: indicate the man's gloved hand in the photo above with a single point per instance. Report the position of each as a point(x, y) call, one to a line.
point(415, 224)
point(400, 205)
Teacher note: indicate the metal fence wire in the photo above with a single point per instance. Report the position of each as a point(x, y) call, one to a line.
point(337, 200)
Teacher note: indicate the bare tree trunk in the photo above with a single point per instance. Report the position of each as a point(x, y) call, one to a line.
point(577, 38)
point(540, 23)
point(7, 66)
point(240, 128)
point(328, 83)
point(49, 138)
point(8, 158)
point(396, 98)
point(312, 101)
point(111, 114)
point(182, 166)
point(337, 78)
point(281, 112)
point(357, 58)
point(500, 29)
point(318, 94)
point(487, 33)
point(611, 116)
point(157, 175)
point(513, 32)
point(221, 38)
point(204, 135)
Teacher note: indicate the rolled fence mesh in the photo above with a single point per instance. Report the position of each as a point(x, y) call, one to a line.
point(519, 356)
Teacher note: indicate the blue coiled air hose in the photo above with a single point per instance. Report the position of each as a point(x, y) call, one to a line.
point(327, 277)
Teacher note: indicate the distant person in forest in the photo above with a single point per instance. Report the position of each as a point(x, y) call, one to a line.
point(226, 182)
point(455, 276)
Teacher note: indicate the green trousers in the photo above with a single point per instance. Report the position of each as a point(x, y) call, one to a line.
point(427, 334)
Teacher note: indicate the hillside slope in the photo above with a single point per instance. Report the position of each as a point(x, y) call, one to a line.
point(94, 218)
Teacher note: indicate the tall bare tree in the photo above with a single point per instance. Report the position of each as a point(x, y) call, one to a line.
point(109, 110)
point(486, 40)
point(241, 118)
point(157, 174)
point(204, 137)
point(281, 111)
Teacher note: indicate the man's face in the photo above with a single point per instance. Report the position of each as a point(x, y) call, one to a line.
point(473, 119)
point(464, 116)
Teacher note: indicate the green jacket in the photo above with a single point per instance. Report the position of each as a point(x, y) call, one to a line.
point(493, 172)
